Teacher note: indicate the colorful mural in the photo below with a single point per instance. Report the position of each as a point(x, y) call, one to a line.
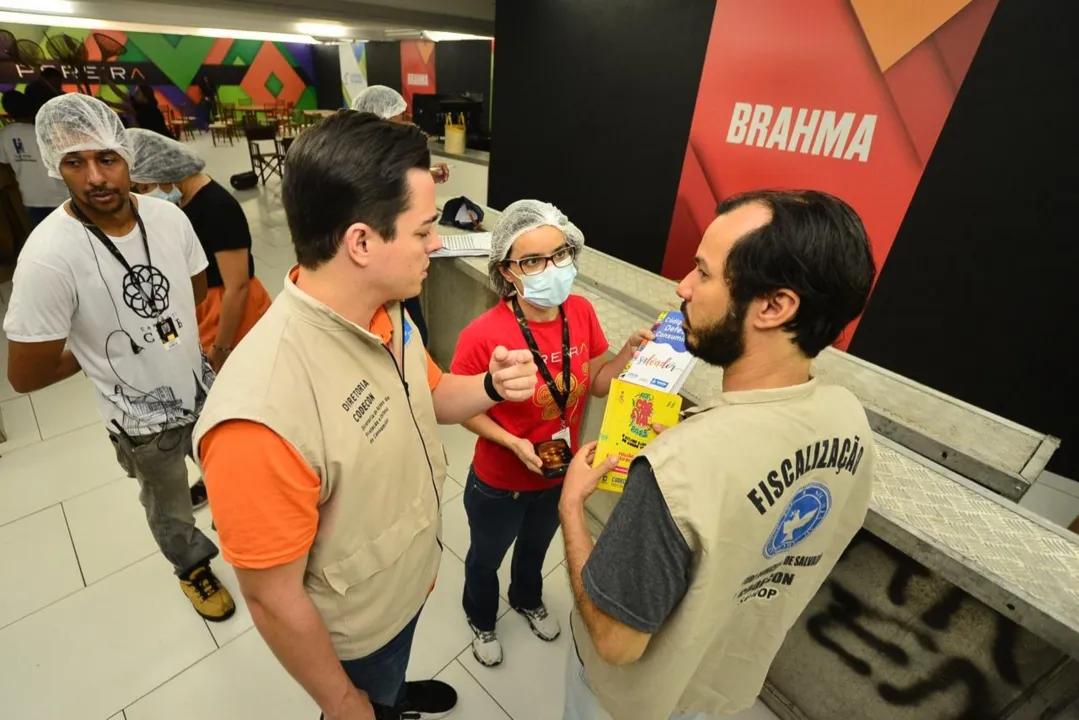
point(245, 72)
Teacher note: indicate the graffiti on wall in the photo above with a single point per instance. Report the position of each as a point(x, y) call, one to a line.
point(904, 643)
point(178, 67)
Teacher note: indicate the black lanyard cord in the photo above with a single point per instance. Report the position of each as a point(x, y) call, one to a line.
point(107, 241)
point(136, 280)
point(561, 397)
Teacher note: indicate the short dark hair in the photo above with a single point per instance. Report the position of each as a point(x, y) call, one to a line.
point(352, 168)
point(16, 105)
point(815, 246)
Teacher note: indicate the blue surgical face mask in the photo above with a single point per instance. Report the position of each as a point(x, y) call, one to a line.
point(173, 196)
point(551, 287)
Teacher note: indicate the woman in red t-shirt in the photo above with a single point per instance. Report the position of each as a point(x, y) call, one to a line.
point(508, 498)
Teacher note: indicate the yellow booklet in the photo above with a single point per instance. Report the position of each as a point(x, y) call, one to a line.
point(627, 426)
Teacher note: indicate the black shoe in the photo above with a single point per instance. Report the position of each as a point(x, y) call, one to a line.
point(198, 495)
point(427, 700)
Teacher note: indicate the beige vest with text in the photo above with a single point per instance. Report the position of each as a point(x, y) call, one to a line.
point(767, 487)
point(334, 391)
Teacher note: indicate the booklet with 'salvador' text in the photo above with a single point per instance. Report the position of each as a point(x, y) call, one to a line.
point(663, 363)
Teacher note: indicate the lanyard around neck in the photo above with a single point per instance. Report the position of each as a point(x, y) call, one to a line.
point(107, 241)
point(561, 397)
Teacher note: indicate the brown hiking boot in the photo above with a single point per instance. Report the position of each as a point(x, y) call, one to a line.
point(206, 593)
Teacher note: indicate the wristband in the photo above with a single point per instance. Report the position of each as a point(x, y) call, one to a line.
point(489, 386)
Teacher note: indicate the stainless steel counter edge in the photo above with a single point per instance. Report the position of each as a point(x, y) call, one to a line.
point(950, 524)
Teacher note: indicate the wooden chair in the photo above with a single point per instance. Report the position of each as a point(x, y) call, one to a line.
point(265, 164)
point(179, 125)
point(223, 127)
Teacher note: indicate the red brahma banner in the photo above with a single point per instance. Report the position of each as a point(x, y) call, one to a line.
point(417, 68)
point(844, 96)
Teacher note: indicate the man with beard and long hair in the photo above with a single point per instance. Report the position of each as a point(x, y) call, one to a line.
point(108, 284)
point(731, 520)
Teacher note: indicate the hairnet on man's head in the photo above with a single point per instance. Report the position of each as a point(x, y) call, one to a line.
point(75, 123)
point(380, 100)
point(160, 160)
point(519, 218)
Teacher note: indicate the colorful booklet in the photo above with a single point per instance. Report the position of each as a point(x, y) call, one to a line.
point(627, 426)
point(646, 393)
point(663, 363)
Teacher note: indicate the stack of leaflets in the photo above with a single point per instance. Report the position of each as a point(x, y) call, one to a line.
point(468, 245)
point(645, 394)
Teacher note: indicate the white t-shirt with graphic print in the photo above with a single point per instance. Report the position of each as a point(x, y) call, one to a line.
point(68, 285)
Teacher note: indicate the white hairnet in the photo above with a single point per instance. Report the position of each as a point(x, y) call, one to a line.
point(75, 123)
point(159, 159)
point(518, 219)
point(380, 100)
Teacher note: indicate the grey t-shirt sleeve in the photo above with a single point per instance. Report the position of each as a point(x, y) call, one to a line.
point(639, 569)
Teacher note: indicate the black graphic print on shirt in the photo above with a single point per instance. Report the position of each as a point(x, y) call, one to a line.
point(146, 292)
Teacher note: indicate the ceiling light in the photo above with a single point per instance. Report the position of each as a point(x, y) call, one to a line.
point(439, 36)
point(253, 35)
point(57, 7)
point(322, 29)
point(97, 24)
point(49, 20)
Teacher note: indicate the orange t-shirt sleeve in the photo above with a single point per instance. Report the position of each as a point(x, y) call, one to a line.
point(264, 495)
point(434, 373)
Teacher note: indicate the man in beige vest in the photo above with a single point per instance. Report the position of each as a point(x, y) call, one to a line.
point(730, 521)
point(319, 440)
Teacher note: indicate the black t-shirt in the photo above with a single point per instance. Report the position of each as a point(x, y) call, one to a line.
point(220, 225)
point(640, 568)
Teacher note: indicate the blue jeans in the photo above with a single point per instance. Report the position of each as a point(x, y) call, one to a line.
point(582, 704)
point(496, 518)
point(37, 214)
point(382, 673)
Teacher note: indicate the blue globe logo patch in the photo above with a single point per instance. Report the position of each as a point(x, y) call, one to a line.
point(803, 514)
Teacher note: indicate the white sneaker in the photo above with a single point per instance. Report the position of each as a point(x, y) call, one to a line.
point(543, 626)
point(486, 647)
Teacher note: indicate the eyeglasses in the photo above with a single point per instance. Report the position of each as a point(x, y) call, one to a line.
point(537, 264)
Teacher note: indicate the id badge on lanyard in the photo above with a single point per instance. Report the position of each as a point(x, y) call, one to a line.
point(555, 454)
point(167, 333)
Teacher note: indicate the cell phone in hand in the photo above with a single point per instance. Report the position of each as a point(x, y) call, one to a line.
point(555, 457)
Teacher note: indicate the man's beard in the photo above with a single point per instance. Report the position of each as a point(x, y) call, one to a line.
point(721, 343)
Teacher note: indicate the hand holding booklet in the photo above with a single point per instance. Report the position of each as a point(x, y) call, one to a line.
point(645, 394)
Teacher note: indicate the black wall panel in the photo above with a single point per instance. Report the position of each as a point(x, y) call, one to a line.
point(593, 103)
point(328, 76)
point(384, 64)
point(976, 298)
point(463, 67)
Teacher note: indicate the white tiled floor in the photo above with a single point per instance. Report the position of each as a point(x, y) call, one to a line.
point(93, 625)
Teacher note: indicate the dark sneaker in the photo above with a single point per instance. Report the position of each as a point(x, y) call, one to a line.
point(427, 700)
point(198, 495)
point(209, 598)
point(543, 626)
